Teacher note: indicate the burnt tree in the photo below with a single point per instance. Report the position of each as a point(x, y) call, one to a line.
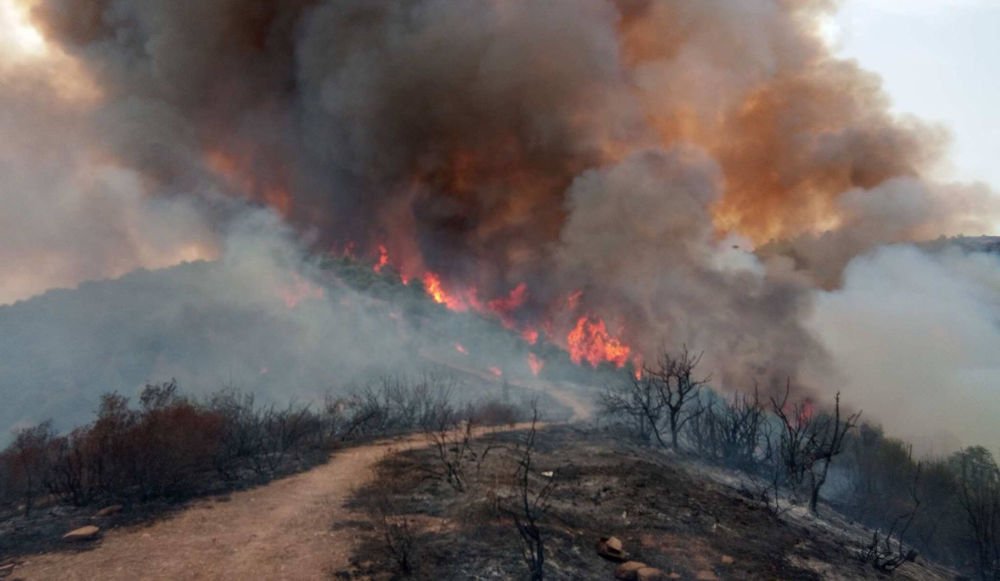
point(809, 441)
point(659, 400)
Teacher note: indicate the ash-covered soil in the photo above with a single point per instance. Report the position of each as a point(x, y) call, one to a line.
point(669, 513)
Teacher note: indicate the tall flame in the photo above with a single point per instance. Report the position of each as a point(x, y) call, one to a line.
point(591, 342)
point(435, 288)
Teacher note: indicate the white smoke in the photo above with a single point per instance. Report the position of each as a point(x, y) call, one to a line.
point(915, 337)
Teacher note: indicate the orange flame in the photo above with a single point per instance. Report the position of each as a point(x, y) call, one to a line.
point(383, 259)
point(432, 283)
point(590, 341)
point(496, 372)
point(455, 301)
point(461, 349)
point(530, 335)
point(504, 306)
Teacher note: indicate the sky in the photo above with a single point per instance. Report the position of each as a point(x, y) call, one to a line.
point(939, 60)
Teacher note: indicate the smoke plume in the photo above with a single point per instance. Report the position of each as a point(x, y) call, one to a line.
point(621, 176)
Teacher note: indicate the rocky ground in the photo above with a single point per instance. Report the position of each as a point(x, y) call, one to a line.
point(668, 513)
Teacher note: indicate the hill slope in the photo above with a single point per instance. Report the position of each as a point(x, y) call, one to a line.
point(323, 522)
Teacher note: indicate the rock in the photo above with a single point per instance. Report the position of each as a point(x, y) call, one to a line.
point(6, 569)
point(87, 533)
point(612, 549)
point(705, 575)
point(649, 574)
point(727, 560)
point(629, 570)
point(109, 511)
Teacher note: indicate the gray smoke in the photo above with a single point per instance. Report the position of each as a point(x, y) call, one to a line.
point(705, 171)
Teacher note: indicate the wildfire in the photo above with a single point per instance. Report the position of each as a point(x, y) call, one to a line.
point(535, 364)
point(496, 372)
point(506, 305)
point(432, 283)
point(454, 301)
point(383, 258)
point(590, 341)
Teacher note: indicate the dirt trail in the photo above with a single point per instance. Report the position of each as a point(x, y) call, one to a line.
point(279, 531)
point(294, 528)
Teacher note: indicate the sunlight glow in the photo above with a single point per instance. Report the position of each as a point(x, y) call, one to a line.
point(20, 39)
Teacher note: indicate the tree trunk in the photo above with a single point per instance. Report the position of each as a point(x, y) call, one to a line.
point(817, 484)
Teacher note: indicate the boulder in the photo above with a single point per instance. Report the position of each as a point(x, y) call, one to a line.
point(87, 533)
point(629, 570)
point(706, 575)
point(649, 574)
point(109, 511)
point(612, 549)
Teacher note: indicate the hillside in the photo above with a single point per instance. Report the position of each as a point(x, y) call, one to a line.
point(283, 334)
point(331, 522)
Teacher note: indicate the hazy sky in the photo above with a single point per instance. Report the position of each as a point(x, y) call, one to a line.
point(939, 59)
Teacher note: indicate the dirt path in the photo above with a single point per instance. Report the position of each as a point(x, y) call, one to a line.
point(279, 531)
point(284, 530)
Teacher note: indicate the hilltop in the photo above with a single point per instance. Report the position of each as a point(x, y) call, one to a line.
point(272, 332)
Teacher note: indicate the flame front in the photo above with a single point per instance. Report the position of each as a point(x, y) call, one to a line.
point(554, 194)
point(455, 302)
point(591, 342)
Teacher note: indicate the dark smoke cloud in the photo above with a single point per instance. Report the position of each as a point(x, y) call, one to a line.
point(464, 122)
point(639, 234)
point(638, 150)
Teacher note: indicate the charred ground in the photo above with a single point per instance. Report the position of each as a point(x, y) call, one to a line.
point(668, 513)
